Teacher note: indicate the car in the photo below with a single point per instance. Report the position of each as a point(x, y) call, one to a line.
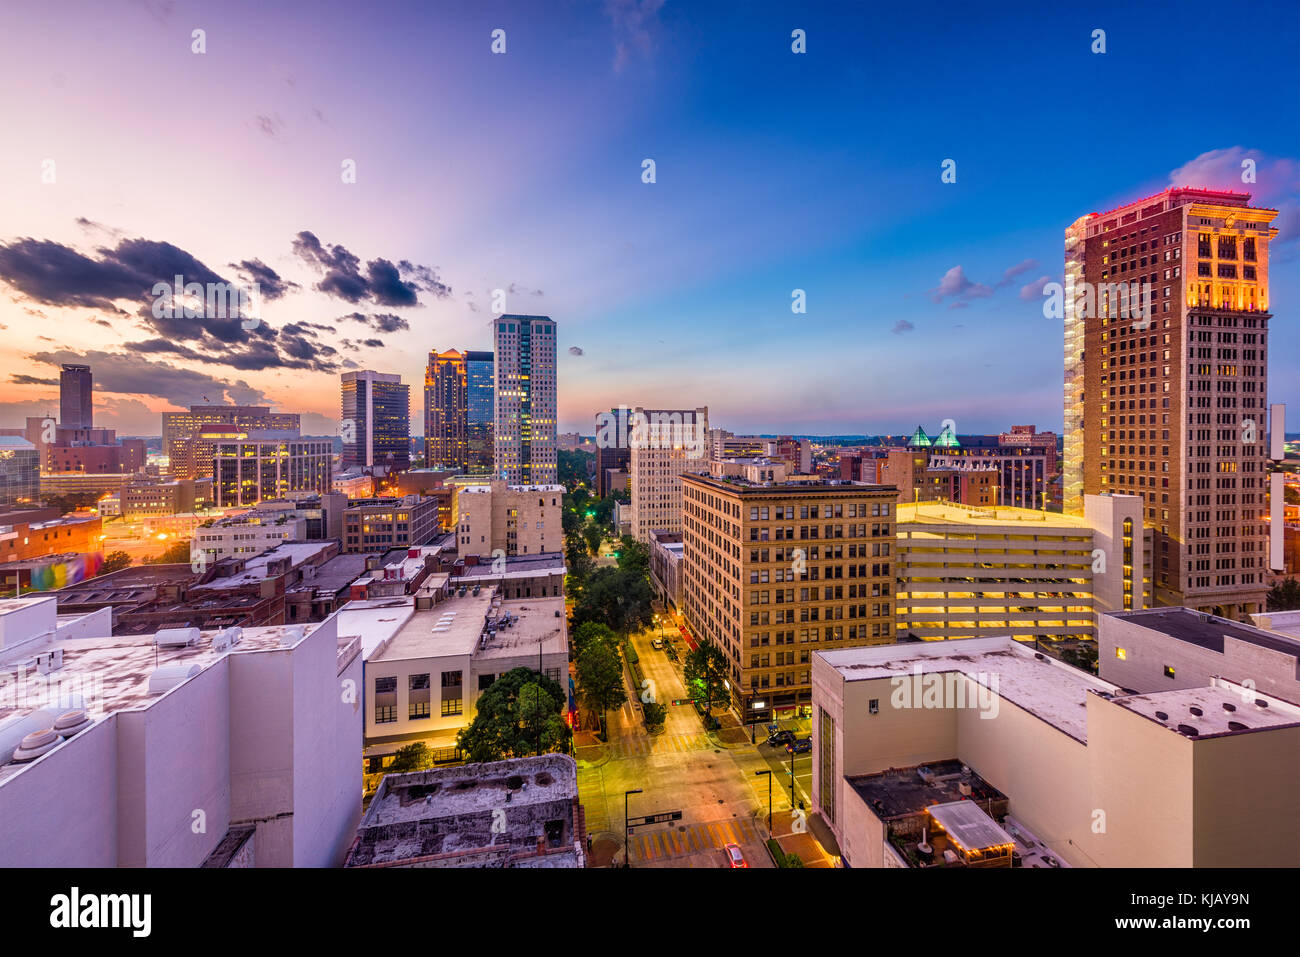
point(656, 643)
point(734, 856)
point(799, 746)
point(778, 739)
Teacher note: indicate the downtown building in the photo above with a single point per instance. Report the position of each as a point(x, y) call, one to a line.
point(376, 418)
point(260, 466)
point(76, 401)
point(508, 519)
point(772, 572)
point(1168, 401)
point(524, 400)
point(664, 444)
point(458, 411)
point(187, 437)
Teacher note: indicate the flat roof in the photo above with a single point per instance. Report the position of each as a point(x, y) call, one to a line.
point(901, 791)
point(374, 620)
point(1054, 692)
point(1208, 631)
point(450, 627)
point(810, 485)
point(255, 569)
point(518, 566)
point(534, 622)
point(949, 513)
point(1224, 707)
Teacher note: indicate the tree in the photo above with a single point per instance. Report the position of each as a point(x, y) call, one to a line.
point(570, 521)
point(517, 715)
point(176, 554)
point(616, 598)
point(1284, 596)
point(705, 670)
point(115, 562)
point(655, 715)
point(573, 468)
point(633, 556)
point(592, 631)
point(593, 534)
point(411, 757)
point(577, 560)
point(600, 678)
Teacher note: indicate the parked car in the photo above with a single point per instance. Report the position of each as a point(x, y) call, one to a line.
point(799, 746)
point(779, 739)
point(656, 643)
point(734, 856)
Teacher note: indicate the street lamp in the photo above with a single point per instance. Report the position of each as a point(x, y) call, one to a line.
point(626, 861)
point(768, 772)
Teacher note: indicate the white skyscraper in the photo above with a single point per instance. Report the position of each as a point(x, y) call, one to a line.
point(524, 401)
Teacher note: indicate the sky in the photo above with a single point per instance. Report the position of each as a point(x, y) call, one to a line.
point(129, 157)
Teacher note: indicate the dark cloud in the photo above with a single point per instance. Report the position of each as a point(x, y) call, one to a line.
point(902, 326)
point(576, 351)
point(373, 343)
point(128, 374)
point(269, 283)
point(380, 282)
point(17, 379)
point(380, 322)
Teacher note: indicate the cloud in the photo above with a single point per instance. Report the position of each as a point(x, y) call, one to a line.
point(19, 379)
point(382, 282)
point(380, 322)
point(635, 24)
point(1010, 274)
point(576, 351)
point(133, 375)
point(270, 125)
point(902, 326)
point(1034, 290)
point(1276, 186)
point(269, 284)
point(957, 286)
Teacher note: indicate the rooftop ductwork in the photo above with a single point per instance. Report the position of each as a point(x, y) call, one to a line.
point(36, 744)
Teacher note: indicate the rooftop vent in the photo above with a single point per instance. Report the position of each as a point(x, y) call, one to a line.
point(1162, 716)
point(1237, 726)
point(1196, 711)
point(168, 676)
point(227, 638)
point(72, 722)
point(1188, 730)
point(1261, 703)
point(1229, 707)
point(36, 744)
point(48, 661)
point(176, 637)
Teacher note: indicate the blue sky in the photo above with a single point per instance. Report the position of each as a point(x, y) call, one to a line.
point(523, 171)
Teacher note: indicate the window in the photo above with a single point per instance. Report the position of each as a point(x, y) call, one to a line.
point(385, 700)
point(873, 706)
point(1169, 671)
point(418, 697)
point(451, 706)
point(1121, 654)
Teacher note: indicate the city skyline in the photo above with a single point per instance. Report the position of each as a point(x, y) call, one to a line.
point(901, 271)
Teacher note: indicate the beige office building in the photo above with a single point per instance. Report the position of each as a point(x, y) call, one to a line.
point(514, 519)
point(966, 572)
point(773, 572)
point(1046, 765)
point(665, 444)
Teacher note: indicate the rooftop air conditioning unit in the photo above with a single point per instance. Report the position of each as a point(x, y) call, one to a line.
point(176, 637)
point(227, 638)
point(168, 676)
point(48, 661)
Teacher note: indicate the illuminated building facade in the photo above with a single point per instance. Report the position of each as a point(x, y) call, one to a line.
point(1170, 404)
point(458, 390)
point(524, 400)
point(189, 455)
point(376, 420)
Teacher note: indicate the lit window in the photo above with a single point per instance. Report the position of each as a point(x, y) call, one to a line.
point(1121, 654)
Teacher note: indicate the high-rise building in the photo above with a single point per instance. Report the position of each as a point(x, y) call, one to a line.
point(773, 572)
point(513, 519)
point(458, 388)
point(253, 468)
point(665, 443)
point(76, 403)
point(524, 400)
point(1166, 373)
point(20, 471)
point(376, 420)
point(189, 455)
point(612, 449)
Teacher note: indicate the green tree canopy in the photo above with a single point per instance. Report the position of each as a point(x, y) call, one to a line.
point(114, 562)
point(593, 535)
point(616, 598)
point(592, 631)
point(411, 757)
point(1284, 596)
point(705, 670)
point(600, 677)
point(513, 718)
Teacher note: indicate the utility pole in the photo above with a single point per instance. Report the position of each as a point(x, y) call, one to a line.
point(769, 799)
point(626, 861)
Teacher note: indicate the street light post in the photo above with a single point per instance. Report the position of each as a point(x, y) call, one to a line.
point(792, 757)
point(626, 861)
point(768, 772)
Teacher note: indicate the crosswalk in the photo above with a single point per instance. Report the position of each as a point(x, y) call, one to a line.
point(668, 843)
point(660, 744)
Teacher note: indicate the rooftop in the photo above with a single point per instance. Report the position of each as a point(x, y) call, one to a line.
point(949, 513)
point(1222, 708)
point(1051, 691)
point(1208, 631)
point(793, 486)
point(255, 569)
point(518, 566)
point(902, 791)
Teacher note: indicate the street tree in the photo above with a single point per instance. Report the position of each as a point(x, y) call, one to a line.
point(1284, 596)
point(593, 535)
point(705, 670)
point(115, 562)
point(513, 718)
point(600, 679)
